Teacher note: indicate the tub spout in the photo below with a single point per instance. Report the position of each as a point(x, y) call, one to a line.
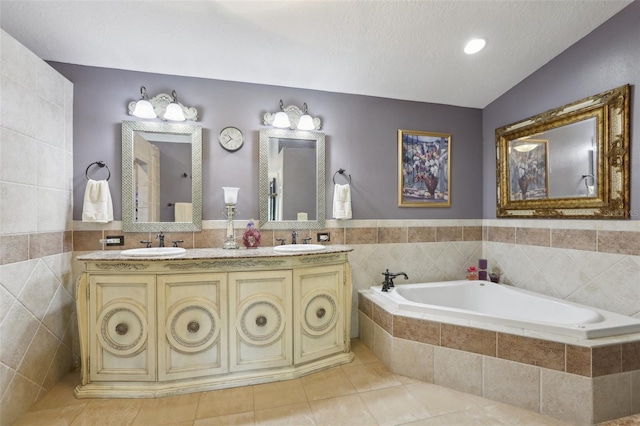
point(388, 279)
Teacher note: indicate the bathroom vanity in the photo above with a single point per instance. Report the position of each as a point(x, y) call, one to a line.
point(210, 319)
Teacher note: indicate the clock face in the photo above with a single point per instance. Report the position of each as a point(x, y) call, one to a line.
point(231, 138)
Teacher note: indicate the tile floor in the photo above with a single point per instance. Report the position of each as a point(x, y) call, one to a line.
point(363, 392)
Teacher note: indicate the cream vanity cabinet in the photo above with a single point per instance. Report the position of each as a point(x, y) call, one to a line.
point(211, 319)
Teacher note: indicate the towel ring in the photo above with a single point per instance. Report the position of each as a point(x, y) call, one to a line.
point(341, 171)
point(100, 164)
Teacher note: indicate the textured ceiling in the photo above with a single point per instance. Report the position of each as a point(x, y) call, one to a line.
point(408, 50)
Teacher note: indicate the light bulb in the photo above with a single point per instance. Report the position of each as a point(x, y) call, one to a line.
point(144, 109)
point(474, 46)
point(174, 112)
point(281, 120)
point(306, 123)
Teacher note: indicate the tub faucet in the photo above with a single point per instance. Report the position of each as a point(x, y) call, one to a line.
point(160, 237)
point(294, 237)
point(388, 279)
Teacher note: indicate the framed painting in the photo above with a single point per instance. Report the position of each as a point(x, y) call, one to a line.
point(528, 169)
point(424, 169)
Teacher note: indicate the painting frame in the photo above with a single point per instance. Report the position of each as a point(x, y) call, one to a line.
point(424, 169)
point(528, 169)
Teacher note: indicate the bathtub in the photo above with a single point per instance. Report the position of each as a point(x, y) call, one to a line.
point(488, 302)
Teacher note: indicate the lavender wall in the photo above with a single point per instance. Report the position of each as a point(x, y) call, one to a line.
point(608, 57)
point(361, 138)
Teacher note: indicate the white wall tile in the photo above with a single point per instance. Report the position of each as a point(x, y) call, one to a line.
point(38, 291)
point(51, 123)
point(17, 212)
point(18, 108)
point(458, 370)
point(6, 302)
point(54, 210)
point(566, 396)
point(512, 383)
point(21, 325)
point(18, 158)
point(51, 167)
point(50, 85)
point(412, 359)
point(611, 397)
point(17, 62)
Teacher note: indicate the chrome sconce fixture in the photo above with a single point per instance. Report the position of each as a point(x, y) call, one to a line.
point(292, 117)
point(163, 106)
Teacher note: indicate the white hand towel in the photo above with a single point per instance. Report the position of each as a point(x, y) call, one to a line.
point(97, 206)
point(342, 201)
point(184, 212)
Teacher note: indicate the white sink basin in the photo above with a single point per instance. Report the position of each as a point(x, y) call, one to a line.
point(299, 248)
point(154, 252)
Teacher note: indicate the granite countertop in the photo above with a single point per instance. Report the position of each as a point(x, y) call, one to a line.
point(211, 253)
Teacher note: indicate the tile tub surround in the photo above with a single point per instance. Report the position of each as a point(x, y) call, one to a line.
point(580, 381)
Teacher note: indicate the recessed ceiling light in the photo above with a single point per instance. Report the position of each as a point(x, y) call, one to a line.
point(474, 46)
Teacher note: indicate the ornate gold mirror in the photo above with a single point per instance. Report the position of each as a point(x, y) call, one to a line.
point(568, 162)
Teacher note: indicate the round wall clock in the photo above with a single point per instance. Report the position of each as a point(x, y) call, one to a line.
point(231, 138)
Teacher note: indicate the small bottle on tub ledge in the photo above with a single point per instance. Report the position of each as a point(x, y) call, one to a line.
point(472, 273)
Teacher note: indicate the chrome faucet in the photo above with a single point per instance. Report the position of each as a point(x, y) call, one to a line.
point(294, 237)
point(160, 237)
point(388, 279)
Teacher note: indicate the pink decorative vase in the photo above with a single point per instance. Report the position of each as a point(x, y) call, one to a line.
point(251, 237)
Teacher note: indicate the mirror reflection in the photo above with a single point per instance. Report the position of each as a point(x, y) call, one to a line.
point(162, 171)
point(292, 174)
point(557, 163)
point(571, 161)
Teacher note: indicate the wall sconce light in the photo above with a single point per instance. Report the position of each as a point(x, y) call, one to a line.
point(173, 111)
point(293, 118)
point(163, 106)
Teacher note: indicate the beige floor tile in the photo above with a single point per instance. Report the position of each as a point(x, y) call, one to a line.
point(172, 409)
point(327, 384)
point(225, 401)
point(394, 406)
point(277, 394)
point(61, 395)
point(51, 417)
point(362, 353)
point(238, 419)
point(109, 412)
point(343, 410)
point(370, 376)
point(297, 414)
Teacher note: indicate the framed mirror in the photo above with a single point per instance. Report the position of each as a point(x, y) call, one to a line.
point(292, 179)
point(161, 177)
point(569, 162)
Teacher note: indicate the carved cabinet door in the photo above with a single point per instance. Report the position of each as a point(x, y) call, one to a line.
point(192, 325)
point(122, 342)
point(319, 328)
point(260, 334)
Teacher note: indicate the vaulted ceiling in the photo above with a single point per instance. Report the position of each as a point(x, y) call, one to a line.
point(409, 50)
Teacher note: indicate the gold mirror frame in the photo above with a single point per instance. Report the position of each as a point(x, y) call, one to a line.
point(611, 201)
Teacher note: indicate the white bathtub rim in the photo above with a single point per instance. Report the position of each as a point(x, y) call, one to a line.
point(392, 308)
